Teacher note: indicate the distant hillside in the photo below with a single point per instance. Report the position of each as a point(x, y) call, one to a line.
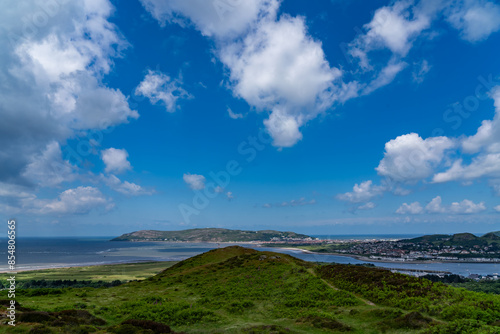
point(430, 238)
point(210, 235)
point(459, 239)
point(492, 235)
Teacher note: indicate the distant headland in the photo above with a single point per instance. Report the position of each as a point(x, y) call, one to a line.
point(213, 235)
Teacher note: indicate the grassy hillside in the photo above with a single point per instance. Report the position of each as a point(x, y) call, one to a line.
point(240, 290)
point(208, 235)
point(459, 239)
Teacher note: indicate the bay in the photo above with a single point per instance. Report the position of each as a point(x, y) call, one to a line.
point(39, 253)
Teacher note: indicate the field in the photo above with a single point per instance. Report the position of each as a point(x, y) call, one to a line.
point(107, 273)
point(240, 290)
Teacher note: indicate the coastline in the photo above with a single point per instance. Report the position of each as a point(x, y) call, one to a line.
point(76, 265)
point(223, 244)
point(367, 259)
point(353, 256)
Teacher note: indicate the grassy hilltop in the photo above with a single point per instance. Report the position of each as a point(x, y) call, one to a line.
point(459, 239)
point(240, 290)
point(208, 235)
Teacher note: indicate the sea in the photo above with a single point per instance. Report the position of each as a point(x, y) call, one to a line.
point(40, 253)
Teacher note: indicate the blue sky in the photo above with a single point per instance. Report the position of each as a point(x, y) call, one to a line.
point(336, 117)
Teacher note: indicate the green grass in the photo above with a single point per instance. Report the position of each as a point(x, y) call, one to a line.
point(239, 290)
point(107, 273)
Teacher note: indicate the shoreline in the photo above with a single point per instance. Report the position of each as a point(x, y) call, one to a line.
point(367, 259)
point(354, 256)
point(255, 244)
point(82, 265)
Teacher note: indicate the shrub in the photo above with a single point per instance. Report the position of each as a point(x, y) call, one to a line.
point(156, 327)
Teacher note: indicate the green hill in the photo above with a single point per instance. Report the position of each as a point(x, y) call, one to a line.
point(491, 236)
point(240, 290)
point(429, 238)
point(209, 235)
point(459, 239)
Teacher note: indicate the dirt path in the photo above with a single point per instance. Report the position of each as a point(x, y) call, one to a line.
point(367, 302)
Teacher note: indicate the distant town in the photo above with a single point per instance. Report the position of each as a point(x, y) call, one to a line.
point(462, 247)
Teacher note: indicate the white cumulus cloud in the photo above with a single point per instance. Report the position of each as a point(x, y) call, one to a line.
point(49, 169)
point(52, 83)
point(476, 19)
point(80, 200)
point(195, 181)
point(434, 206)
point(218, 18)
point(273, 63)
point(279, 67)
point(362, 192)
point(466, 207)
point(409, 158)
point(413, 208)
point(115, 160)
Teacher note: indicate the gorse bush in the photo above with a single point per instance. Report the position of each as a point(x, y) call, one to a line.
point(164, 311)
point(411, 293)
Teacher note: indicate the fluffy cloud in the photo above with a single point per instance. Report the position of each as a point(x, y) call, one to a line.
point(48, 168)
point(485, 144)
point(80, 200)
point(218, 19)
point(396, 28)
point(393, 27)
point(125, 187)
point(194, 181)
point(413, 208)
point(484, 165)
point(276, 66)
point(279, 67)
point(159, 87)
point(229, 195)
point(273, 63)
point(435, 206)
point(475, 19)
point(362, 192)
point(497, 208)
point(409, 158)
point(466, 207)
point(53, 60)
point(487, 137)
point(115, 160)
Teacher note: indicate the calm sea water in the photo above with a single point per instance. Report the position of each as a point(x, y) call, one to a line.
point(36, 253)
